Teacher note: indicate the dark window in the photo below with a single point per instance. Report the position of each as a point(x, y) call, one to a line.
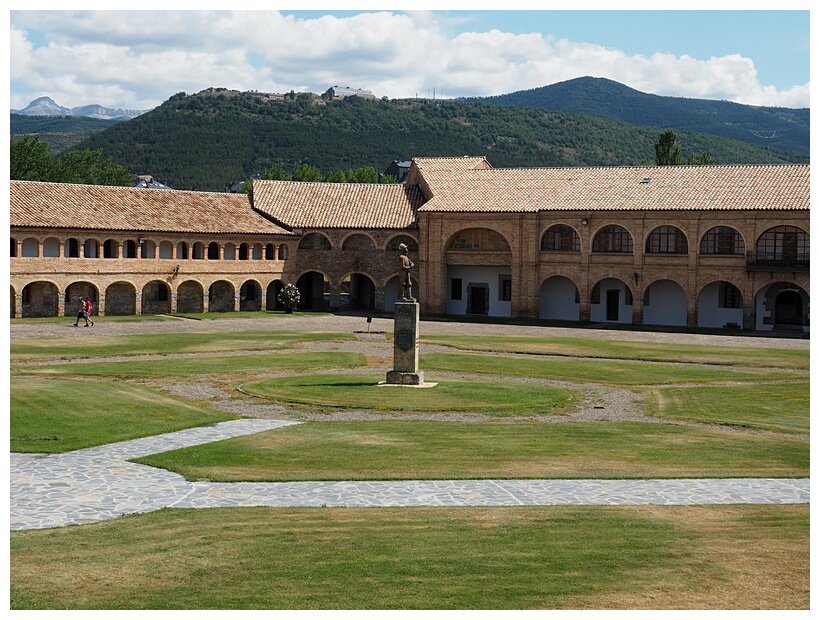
point(393, 244)
point(722, 240)
point(314, 241)
point(270, 254)
point(613, 239)
point(110, 249)
point(243, 251)
point(213, 251)
point(783, 242)
point(13, 246)
point(730, 296)
point(358, 243)
point(504, 288)
point(72, 248)
point(479, 239)
point(561, 238)
point(455, 289)
point(667, 240)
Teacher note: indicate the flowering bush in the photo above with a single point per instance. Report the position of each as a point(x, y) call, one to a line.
point(289, 297)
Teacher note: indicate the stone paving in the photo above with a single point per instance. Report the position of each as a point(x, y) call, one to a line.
point(97, 484)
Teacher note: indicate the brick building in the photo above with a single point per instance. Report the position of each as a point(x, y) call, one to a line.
point(708, 246)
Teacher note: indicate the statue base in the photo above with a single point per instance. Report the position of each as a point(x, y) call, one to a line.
point(397, 377)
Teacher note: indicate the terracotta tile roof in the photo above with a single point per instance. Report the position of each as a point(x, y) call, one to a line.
point(63, 205)
point(752, 187)
point(337, 205)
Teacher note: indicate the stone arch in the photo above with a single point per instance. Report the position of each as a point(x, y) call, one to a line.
point(783, 247)
point(120, 299)
point(110, 248)
point(198, 250)
point(229, 251)
point(664, 303)
point(148, 248)
point(72, 248)
point(283, 251)
point(190, 297)
point(213, 251)
point(221, 296)
point(270, 251)
point(156, 298)
point(182, 250)
point(720, 304)
point(559, 299)
point(166, 249)
point(243, 252)
point(257, 251)
point(250, 296)
point(40, 299)
point(91, 248)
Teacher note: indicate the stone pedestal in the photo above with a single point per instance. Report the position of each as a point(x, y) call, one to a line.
point(405, 345)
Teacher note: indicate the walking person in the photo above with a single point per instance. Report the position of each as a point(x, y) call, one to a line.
point(81, 313)
point(88, 310)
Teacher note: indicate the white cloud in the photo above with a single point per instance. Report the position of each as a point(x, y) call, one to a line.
point(138, 59)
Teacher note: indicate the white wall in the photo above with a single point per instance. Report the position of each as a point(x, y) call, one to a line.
point(475, 275)
point(556, 300)
point(667, 304)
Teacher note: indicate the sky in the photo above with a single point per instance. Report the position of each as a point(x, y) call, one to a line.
point(139, 59)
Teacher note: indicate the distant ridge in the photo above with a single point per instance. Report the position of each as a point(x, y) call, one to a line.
point(778, 128)
point(45, 106)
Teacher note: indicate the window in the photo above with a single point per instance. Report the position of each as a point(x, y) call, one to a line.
point(182, 250)
point(283, 252)
point(110, 249)
point(613, 239)
point(358, 243)
point(729, 296)
point(561, 238)
point(13, 246)
point(270, 252)
point(213, 251)
point(72, 249)
point(479, 239)
point(91, 249)
point(667, 240)
point(51, 247)
point(504, 288)
point(314, 241)
point(722, 240)
point(393, 244)
point(455, 289)
point(783, 242)
point(243, 251)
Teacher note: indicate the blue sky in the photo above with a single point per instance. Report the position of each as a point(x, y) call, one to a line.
point(139, 59)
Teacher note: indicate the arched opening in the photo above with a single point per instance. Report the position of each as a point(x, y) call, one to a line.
point(13, 247)
point(40, 299)
point(229, 253)
point(91, 248)
point(243, 251)
point(611, 302)
point(395, 242)
point(110, 249)
point(558, 300)
point(256, 251)
point(613, 239)
point(561, 238)
point(783, 247)
point(283, 252)
point(51, 247)
point(31, 247)
point(190, 297)
point(314, 241)
point(182, 250)
point(156, 298)
point(722, 240)
point(72, 295)
point(664, 303)
point(148, 249)
point(250, 296)
point(72, 248)
point(213, 251)
point(198, 251)
point(120, 299)
point(129, 249)
point(314, 291)
point(270, 252)
point(221, 297)
point(667, 240)
point(358, 243)
point(272, 295)
point(479, 273)
point(720, 304)
point(358, 293)
point(782, 306)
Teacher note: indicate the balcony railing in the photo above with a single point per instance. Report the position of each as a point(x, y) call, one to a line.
point(768, 262)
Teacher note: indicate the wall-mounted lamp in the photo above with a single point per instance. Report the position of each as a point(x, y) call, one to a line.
point(142, 240)
point(585, 221)
point(637, 277)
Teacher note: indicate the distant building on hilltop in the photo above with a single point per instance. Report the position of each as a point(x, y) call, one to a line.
point(340, 92)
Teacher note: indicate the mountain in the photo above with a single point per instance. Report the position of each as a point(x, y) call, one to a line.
point(45, 106)
point(780, 128)
point(208, 140)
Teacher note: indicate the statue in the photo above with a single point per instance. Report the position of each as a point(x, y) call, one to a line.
point(405, 283)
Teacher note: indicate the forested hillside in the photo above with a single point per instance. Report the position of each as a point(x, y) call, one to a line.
point(59, 132)
point(779, 128)
point(208, 140)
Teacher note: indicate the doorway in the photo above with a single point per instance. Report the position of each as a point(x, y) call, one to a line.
point(613, 303)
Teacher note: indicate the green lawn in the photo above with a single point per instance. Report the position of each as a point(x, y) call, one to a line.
point(334, 391)
point(406, 450)
point(620, 349)
point(47, 415)
point(555, 557)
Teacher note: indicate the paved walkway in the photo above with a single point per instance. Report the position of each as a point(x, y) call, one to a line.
point(97, 484)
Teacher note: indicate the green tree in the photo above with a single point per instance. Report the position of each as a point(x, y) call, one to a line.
point(30, 160)
point(704, 160)
point(91, 168)
point(275, 173)
point(306, 172)
point(336, 177)
point(667, 153)
point(365, 174)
